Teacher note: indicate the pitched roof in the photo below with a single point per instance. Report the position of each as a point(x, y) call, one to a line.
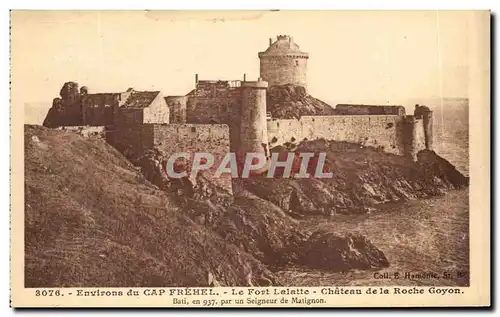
point(140, 99)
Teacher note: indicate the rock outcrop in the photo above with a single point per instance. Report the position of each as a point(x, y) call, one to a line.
point(330, 251)
point(153, 166)
point(262, 219)
point(65, 110)
point(363, 178)
point(292, 101)
point(181, 233)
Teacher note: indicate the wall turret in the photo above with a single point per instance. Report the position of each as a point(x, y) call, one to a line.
point(284, 63)
point(428, 129)
point(253, 123)
point(178, 108)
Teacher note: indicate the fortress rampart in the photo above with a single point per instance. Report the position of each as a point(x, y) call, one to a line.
point(214, 107)
point(233, 116)
point(389, 133)
point(345, 109)
point(135, 140)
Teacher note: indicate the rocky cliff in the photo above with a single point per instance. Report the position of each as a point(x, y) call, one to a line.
point(65, 110)
point(291, 101)
point(363, 178)
point(92, 219)
point(96, 218)
point(263, 217)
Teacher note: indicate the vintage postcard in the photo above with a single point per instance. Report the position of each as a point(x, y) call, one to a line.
point(250, 158)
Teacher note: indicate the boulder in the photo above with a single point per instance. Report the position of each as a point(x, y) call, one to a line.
point(327, 250)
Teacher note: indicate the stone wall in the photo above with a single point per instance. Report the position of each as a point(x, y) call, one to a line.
point(99, 109)
point(282, 70)
point(192, 138)
point(351, 109)
point(427, 122)
point(252, 123)
point(280, 131)
point(127, 134)
point(131, 140)
point(212, 105)
point(157, 111)
point(419, 136)
point(127, 117)
point(384, 132)
point(178, 108)
point(93, 132)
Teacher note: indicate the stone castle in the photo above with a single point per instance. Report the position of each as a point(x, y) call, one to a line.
point(239, 116)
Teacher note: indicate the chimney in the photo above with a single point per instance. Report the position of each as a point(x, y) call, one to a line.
point(196, 79)
point(244, 77)
point(270, 41)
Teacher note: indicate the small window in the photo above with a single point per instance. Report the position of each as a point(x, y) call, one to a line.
point(193, 129)
point(296, 63)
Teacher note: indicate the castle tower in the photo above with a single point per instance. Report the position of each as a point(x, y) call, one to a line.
point(178, 108)
point(410, 137)
point(428, 130)
point(253, 122)
point(283, 63)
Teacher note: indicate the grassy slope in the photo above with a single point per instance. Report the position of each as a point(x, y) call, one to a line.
point(91, 220)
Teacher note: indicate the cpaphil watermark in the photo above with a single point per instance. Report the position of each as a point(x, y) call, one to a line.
point(279, 165)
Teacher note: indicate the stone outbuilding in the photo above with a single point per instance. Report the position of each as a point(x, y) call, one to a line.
point(143, 107)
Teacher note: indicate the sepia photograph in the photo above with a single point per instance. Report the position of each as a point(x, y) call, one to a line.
point(272, 151)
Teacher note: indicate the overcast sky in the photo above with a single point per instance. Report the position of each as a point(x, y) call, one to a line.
point(362, 57)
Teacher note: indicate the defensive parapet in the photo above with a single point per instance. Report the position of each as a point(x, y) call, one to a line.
point(351, 109)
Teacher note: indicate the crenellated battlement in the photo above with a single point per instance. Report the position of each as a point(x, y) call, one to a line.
point(284, 63)
point(284, 37)
point(284, 56)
